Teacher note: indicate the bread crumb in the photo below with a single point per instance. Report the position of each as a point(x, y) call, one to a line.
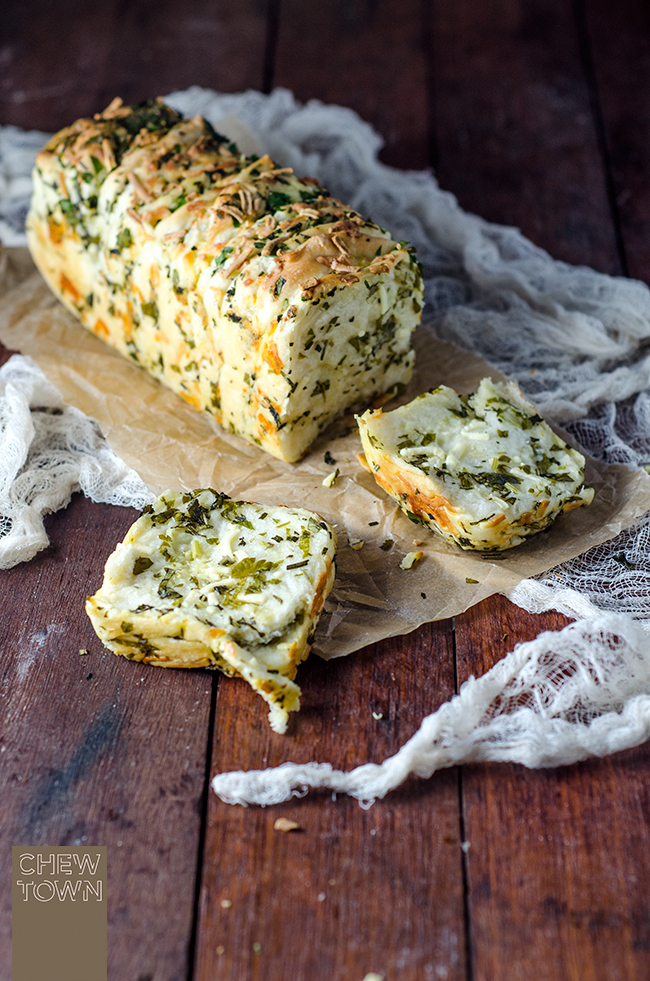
point(226, 903)
point(356, 543)
point(330, 480)
point(410, 559)
point(284, 824)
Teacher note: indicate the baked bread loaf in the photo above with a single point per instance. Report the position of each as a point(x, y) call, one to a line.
point(250, 292)
point(204, 581)
point(485, 472)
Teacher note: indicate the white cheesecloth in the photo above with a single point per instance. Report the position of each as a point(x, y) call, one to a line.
point(575, 341)
point(48, 450)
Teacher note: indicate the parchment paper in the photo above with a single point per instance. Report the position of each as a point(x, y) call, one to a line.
point(171, 445)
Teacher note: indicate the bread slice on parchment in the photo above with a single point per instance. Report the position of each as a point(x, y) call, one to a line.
point(485, 472)
point(251, 293)
point(204, 581)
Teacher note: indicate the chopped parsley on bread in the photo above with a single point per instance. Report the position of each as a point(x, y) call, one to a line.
point(204, 581)
point(251, 293)
point(485, 471)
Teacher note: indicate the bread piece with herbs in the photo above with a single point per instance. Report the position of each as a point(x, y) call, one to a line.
point(202, 581)
point(251, 293)
point(485, 472)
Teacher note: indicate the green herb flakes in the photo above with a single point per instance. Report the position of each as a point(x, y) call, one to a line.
point(141, 564)
point(124, 239)
point(150, 310)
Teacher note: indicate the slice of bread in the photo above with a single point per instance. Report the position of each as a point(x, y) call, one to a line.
point(485, 472)
point(204, 581)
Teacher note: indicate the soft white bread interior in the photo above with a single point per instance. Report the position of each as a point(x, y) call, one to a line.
point(204, 581)
point(485, 472)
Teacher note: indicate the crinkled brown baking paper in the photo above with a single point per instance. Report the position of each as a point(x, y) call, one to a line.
point(172, 445)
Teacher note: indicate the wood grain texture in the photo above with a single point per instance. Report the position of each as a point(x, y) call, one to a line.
point(55, 60)
point(369, 55)
point(514, 130)
point(619, 45)
point(69, 59)
point(559, 860)
point(552, 890)
point(352, 891)
point(98, 750)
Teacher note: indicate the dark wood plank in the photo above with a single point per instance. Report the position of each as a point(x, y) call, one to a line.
point(5, 354)
point(559, 860)
point(514, 131)
point(99, 750)
point(619, 40)
point(163, 46)
point(369, 56)
point(70, 59)
point(353, 891)
point(55, 59)
point(552, 887)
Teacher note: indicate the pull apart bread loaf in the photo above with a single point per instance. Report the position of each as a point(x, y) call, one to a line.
point(485, 472)
point(250, 292)
point(204, 581)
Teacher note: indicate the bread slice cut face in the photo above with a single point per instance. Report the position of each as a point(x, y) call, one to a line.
point(485, 472)
point(202, 581)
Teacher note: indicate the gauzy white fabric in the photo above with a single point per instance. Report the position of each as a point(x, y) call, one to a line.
point(583, 691)
point(575, 340)
point(48, 450)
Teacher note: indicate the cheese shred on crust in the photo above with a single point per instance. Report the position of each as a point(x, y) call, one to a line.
point(202, 581)
point(251, 293)
point(485, 472)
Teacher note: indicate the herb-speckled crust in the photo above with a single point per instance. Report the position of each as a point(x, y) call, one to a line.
point(484, 472)
point(204, 581)
point(250, 292)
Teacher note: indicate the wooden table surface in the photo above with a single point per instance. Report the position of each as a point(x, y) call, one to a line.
point(535, 113)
